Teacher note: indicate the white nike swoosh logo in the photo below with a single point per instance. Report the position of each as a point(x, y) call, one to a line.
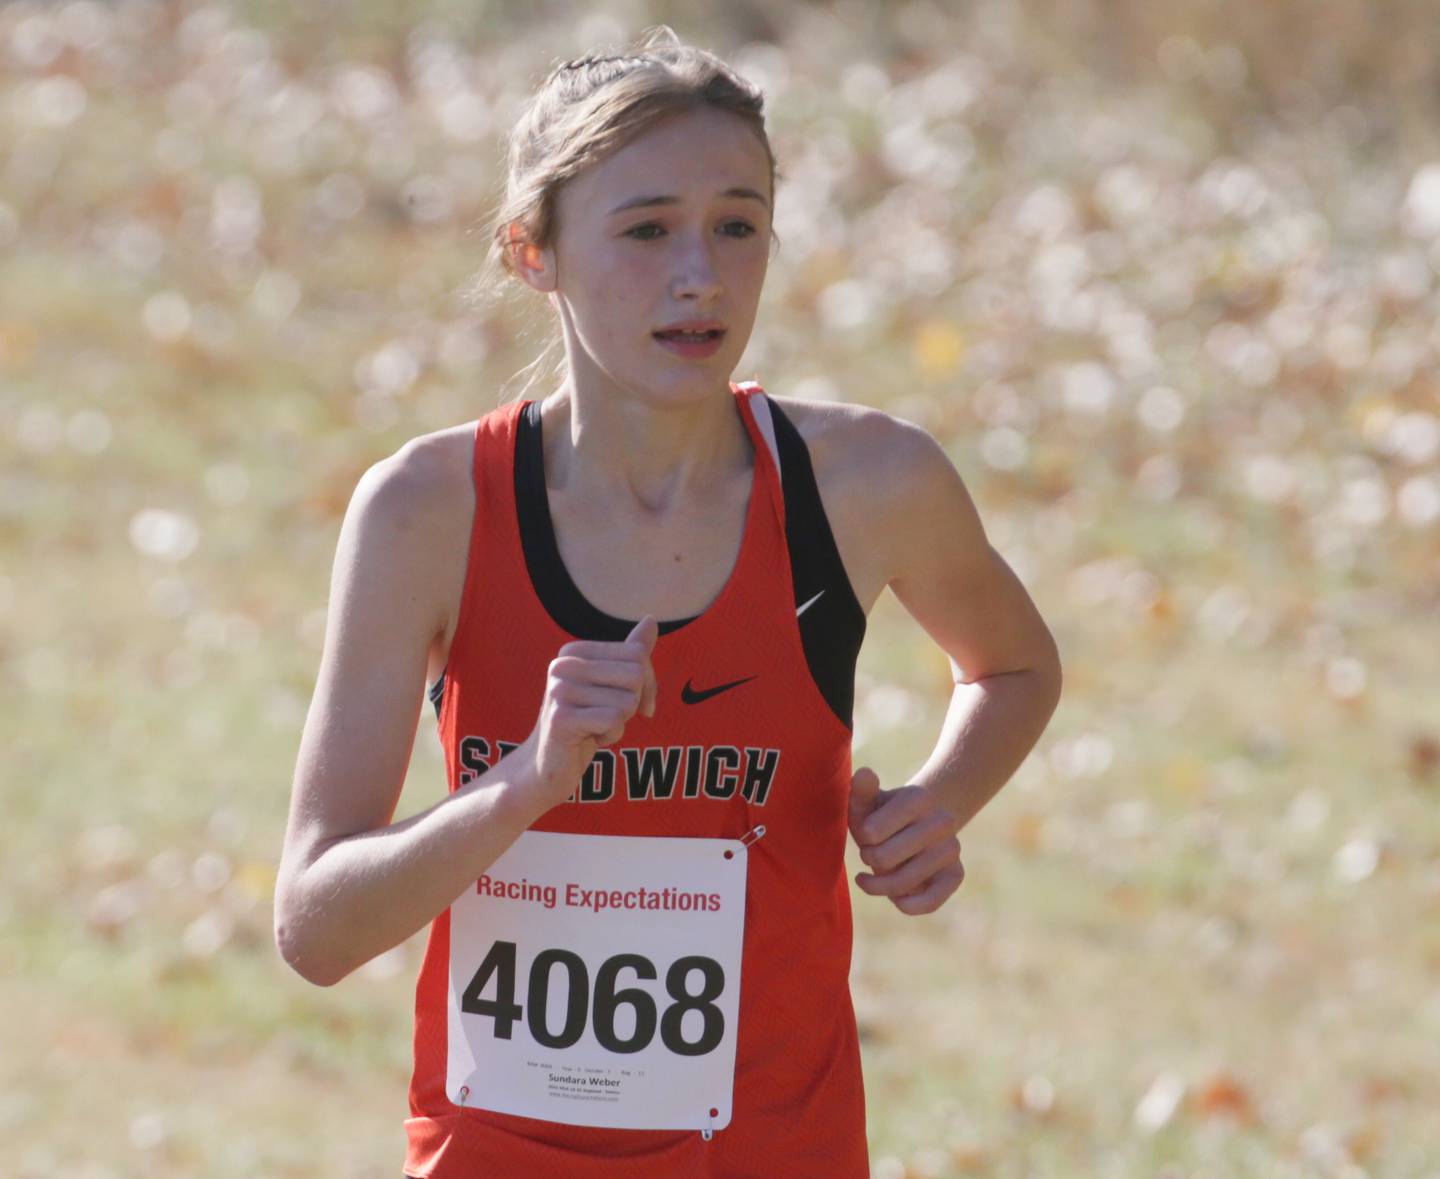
point(808, 604)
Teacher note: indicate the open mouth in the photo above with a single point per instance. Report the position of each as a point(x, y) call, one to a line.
point(680, 337)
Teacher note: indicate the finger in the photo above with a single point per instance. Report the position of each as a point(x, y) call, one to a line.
point(864, 795)
point(578, 694)
point(592, 649)
point(889, 854)
point(602, 723)
point(914, 875)
point(635, 643)
point(649, 690)
point(914, 872)
point(897, 810)
point(645, 632)
point(613, 673)
point(935, 894)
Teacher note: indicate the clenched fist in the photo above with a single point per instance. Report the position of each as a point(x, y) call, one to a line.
point(908, 840)
point(592, 690)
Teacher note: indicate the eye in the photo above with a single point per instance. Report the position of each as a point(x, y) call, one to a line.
point(737, 228)
point(644, 232)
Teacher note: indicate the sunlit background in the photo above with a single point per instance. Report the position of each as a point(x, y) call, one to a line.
point(1162, 279)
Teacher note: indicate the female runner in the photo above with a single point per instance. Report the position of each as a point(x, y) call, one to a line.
point(639, 914)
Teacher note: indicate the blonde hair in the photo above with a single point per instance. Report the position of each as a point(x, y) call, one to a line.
point(585, 109)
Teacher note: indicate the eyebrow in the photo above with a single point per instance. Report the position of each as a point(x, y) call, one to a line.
point(645, 202)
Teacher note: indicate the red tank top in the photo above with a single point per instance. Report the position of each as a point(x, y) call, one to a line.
point(769, 751)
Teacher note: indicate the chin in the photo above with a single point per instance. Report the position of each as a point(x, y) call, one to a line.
point(675, 396)
point(684, 386)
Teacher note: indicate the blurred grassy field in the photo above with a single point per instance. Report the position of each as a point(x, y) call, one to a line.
point(1163, 282)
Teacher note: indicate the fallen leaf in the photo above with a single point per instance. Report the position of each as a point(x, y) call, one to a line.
point(1027, 832)
point(1223, 1095)
point(1424, 757)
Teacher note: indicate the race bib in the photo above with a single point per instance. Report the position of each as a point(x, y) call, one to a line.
point(595, 980)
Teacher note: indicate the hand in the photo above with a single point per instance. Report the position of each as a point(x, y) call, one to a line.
point(592, 690)
point(909, 840)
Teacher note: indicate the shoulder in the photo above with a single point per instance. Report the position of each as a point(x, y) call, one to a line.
point(881, 478)
point(409, 518)
point(911, 524)
point(841, 435)
point(883, 466)
point(423, 478)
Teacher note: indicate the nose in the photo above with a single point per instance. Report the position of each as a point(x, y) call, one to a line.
point(696, 277)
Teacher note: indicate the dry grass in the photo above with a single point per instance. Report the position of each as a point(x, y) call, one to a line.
point(1165, 287)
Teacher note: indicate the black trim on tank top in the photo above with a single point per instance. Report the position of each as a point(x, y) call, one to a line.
point(832, 625)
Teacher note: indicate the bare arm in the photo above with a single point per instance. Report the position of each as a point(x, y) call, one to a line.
point(351, 883)
point(1006, 670)
point(1004, 661)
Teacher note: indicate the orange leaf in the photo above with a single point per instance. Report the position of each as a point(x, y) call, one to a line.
point(1027, 832)
point(1223, 1095)
point(1363, 1142)
point(1424, 756)
point(939, 348)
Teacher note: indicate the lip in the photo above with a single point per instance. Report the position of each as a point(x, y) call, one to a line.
point(693, 325)
point(693, 349)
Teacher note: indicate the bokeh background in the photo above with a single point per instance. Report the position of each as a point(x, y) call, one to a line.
point(1162, 279)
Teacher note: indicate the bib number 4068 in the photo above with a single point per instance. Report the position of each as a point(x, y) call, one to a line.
point(499, 964)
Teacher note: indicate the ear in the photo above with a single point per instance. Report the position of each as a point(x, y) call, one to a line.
point(534, 264)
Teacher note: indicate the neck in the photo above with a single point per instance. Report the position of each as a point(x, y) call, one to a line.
point(614, 446)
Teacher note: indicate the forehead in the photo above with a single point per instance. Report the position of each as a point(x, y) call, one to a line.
point(695, 154)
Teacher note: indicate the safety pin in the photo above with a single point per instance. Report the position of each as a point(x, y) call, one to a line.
point(709, 1132)
point(753, 835)
point(464, 1095)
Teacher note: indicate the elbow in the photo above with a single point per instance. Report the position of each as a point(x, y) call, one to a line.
point(298, 950)
point(1052, 671)
point(1049, 679)
point(312, 967)
point(1057, 685)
